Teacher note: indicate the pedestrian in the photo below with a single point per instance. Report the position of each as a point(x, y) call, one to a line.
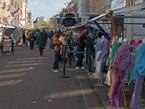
point(50, 34)
point(41, 42)
point(62, 39)
point(32, 40)
point(57, 48)
point(27, 39)
point(24, 38)
point(45, 34)
point(81, 44)
point(91, 53)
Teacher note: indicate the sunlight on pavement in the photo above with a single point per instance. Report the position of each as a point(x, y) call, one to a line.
point(14, 70)
point(27, 61)
point(37, 58)
point(24, 65)
point(72, 93)
point(11, 82)
point(12, 75)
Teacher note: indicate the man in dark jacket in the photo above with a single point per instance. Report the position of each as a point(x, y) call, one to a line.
point(41, 42)
point(91, 54)
point(81, 44)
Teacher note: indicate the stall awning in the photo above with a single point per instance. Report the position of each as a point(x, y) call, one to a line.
point(128, 9)
point(8, 26)
point(98, 17)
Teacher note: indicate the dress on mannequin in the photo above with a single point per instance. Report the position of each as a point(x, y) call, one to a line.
point(101, 57)
point(138, 74)
point(113, 47)
point(124, 56)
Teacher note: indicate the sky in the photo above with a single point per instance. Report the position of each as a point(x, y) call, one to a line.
point(46, 8)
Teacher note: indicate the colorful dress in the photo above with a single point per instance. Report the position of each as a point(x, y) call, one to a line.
point(101, 57)
point(138, 74)
point(113, 48)
point(123, 58)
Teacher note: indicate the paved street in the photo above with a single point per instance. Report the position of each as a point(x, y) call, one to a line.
point(27, 82)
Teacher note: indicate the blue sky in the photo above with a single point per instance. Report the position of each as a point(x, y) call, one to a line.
point(46, 8)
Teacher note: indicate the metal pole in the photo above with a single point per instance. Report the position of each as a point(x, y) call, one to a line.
point(64, 62)
point(70, 55)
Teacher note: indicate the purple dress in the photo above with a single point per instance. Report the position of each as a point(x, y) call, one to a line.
point(124, 55)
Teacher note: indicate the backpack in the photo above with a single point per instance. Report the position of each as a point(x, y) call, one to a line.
point(51, 45)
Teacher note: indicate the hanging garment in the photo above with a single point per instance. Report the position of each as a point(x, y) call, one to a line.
point(98, 66)
point(123, 58)
point(101, 57)
point(108, 78)
point(127, 78)
point(136, 97)
point(138, 74)
point(113, 47)
point(139, 65)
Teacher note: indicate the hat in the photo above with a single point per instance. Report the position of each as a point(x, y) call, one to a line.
point(85, 33)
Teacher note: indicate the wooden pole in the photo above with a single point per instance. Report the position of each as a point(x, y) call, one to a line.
point(119, 66)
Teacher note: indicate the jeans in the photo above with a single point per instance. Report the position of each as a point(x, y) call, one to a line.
point(41, 51)
point(79, 62)
point(56, 60)
point(91, 63)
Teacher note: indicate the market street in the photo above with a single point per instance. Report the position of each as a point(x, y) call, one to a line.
point(27, 82)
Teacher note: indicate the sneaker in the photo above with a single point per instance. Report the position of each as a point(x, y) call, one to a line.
point(56, 71)
point(77, 68)
point(82, 68)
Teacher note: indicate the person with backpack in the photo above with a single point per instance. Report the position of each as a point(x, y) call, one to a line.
point(57, 48)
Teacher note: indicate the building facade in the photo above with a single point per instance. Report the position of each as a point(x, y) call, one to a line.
point(4, 11)
point(15, 13)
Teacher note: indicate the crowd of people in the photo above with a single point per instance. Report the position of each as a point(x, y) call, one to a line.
point(117, 56)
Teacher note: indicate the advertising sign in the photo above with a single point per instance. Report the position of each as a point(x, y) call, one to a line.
point(116, 4)
point(7, 45)
point(69, 20)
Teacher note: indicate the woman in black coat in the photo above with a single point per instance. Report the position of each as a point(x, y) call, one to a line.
point(81, 44)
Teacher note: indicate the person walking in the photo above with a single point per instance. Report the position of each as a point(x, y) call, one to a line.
point(24, 38)
point(57, 48)
point(41, 42)
point(32, 40)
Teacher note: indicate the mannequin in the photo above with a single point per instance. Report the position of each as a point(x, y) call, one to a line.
point(138, 74)
point(101, 56)
point(124, 56)
point(113, 47)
